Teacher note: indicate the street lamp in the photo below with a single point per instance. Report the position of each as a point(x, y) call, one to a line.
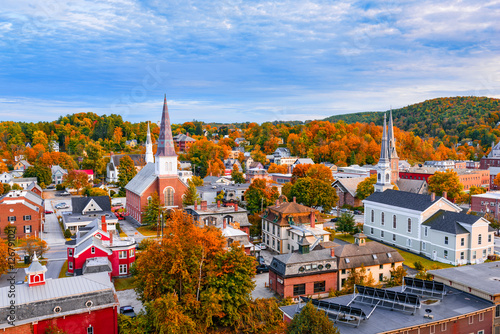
point(161, 221)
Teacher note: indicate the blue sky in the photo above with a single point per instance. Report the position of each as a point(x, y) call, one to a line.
point(237, 61)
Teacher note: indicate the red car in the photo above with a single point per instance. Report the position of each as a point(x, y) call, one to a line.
point(47, 212)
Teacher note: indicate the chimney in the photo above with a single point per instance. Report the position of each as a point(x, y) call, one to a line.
point(196, 205)
point(111, 235)
point(224, 224)
point(332, 252)
point(294, 199)
point(204, 205)
point(235, 206)
point(445, 194)
point(313, 219)
point(104, 225)
point(433, 197)
point(218, 204)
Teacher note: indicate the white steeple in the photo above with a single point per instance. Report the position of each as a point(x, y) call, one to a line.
point(149, 148)
point(384, 164)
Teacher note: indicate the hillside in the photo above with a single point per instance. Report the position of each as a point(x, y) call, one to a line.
point(451, 119)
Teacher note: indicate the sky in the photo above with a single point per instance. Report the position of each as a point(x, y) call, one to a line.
point(241, 61)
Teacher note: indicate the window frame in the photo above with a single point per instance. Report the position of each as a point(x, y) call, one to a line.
point(299, 289)
point(409, 225)
point(122, 266)
point(319, 286)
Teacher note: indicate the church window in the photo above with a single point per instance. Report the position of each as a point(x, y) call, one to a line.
point(168, 193)
point(379, 177)
point(387, 177)
point(382, 219)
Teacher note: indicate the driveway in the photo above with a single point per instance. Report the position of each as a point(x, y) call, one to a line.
point(129, 297)
point(261, 290)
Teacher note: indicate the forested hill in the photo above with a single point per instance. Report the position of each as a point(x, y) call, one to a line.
point(452, 119)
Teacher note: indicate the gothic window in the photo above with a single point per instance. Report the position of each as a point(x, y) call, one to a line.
point(382, 219)
point(387, 177)
point(379, 177)
point(168, 193)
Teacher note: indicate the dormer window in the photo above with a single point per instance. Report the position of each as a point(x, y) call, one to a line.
point(347, 260)
point(92, 250)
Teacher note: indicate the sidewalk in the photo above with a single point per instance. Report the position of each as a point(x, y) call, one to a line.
point(52, 233)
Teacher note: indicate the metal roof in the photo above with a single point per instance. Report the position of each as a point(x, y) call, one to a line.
point(142, 180)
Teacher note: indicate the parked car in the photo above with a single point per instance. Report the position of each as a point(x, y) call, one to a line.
point(128, 311)
point(119, 216)
point(61, 206)
point(64, 193)
point(51, 187)
point(357, 212)
point(262, 268)
point(334, 219)
point(262, 245)
point(48, 212)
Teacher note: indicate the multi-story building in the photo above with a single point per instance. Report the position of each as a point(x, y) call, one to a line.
point(78, 305)
point(446, 164)
point(23, 210)
point(160, 177)
point(486, 203)
point(183, 142)
point(285, 224)
point(85, 209)
point(467, 177)
point(58, 174)
point(493, 158)
point(427, 225)
point(346, 190)
point(94, 248)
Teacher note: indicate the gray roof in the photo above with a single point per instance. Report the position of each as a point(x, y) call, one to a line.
point(349, 184)
point(364, 255)
point(412, 186)
point(403, 199)
point(138, 159)
point(304, 161)
point(24, 179)
point(79, 203)
point(450, 222)
point(142, 180)
point(484, 277)
point(454, 304)
point(288, 265)
point(57, 168)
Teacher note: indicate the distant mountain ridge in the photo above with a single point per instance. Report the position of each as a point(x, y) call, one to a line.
point(451, 119)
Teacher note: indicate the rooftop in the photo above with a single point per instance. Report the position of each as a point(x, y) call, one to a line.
point(403, 199)
point(484, 277)
point(490, 194)
point(454, 304)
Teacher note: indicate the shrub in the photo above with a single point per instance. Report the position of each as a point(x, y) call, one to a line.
point(67, 233)
point(60, 187)
point(418, 265)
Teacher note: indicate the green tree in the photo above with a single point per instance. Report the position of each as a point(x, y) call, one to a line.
point(259, 195)
point(126, 171)
point(94, 159)
point(236, 175)
point(397, 276)
point(446, 181)
point(43, 174)
point(310, 320)
point(220, 196)
point(152, 210)
point(357, 277)
point(190, 195)
point(16, 187)
point(315, 193)
point(366, 187)
point(346, 223)
point(197, 181)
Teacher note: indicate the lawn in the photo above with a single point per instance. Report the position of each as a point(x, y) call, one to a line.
point(64, 269)
point(347, 237)
point(123, 235)
point(145, 230)
point(124, 283)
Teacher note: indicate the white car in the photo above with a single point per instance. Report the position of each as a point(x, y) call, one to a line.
point(62, 206)
point(262, 246)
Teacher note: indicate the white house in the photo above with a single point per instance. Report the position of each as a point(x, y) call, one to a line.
point(58, 174)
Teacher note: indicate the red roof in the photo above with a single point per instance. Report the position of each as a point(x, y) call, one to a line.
point(86, 171)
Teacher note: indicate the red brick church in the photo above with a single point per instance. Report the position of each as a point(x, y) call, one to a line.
point(158, 176)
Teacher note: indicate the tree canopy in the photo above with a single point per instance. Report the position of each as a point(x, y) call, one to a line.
point(310, 320)
point(446, 181)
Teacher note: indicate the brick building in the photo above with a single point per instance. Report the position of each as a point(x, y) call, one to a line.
point(79, 305)
point(23, 210)
point(159, 176)
point(486, 203)
point(183, 142)
point(95, 249)
point(468, 177)
point(346, 190)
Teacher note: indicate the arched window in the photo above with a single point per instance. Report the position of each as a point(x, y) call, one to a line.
point(149, 199)
point(387, 177)
point(379, 177)
point(168, 193)
point(382, 221)
point(394, 221)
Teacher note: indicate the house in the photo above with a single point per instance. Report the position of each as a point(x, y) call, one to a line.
point(287, 223)
point(94, 248)
point(304, 273)
point(24, 210)
point(112, 170)
point(289, 161)
point(209, 192)
point(232, 220)
point(427, 225)
point(23, 182)
point(254, 165)
point(160, 176)
point(79, 305)
point(417, 307)
point(480, 280)
point(228, 165)
point(216, 180)
point(235, 192)
point(58, 174)
point(132, 143)
point(281, 178)
point(493, 158)
point(54, 146)
point(445, 164)
point(346, 190)
point(486, 203)
point(183, 142)
point(467, 177)
point(22, 165)
point(332, 167)
point(302, 161)
point(5, 177)
point(256, 173)
point(35, 188)
point(241, 141)
point(89, 172)
point(281, 152)
point(185, 175)
point(85, 210)
point(377, 259)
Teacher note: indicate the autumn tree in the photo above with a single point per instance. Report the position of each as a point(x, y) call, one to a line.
point(397, 276)
point(358, 277)
point(311, 320)
point(94, 159)
point(152, 211)
point(43, 174)
point(260, 195)
point(300, 171)
point(366, 187)
point(258, 155)
point(320, 172)
point(274, 168)
point(197, 181)
point(446, 181)
point(94, 192)
point(32, 245)
point(496, 180)
point(3, 167)
point(190, 195)
point(315, 193)
point(4, 255)
point(236, 175)
point(126, 171)
point(76, 180)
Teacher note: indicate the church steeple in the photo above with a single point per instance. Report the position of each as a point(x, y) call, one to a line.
point(149, 148)
point(165, 158)
point(393, 154)
point(384, 164)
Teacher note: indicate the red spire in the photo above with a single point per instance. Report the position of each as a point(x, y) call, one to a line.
point(165, 141)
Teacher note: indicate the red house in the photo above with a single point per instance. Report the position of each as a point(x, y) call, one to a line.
point(160, 176)
point(23, 210)
point(94, 249)
point(79, 305)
